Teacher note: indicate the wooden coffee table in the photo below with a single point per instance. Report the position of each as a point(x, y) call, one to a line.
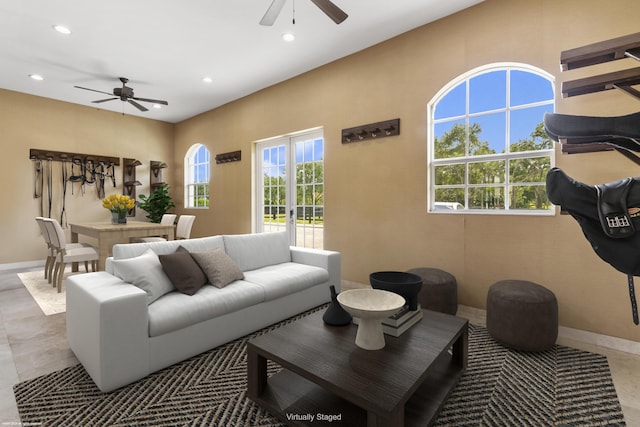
point(327, 380)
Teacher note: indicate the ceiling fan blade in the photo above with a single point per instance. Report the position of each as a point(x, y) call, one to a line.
point(272, 13)
point(154, 101)
point(138, 106)
point(103, 100)
point(331, 10)
point(93, 90)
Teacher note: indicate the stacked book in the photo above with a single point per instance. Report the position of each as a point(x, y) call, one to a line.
point(397, 324)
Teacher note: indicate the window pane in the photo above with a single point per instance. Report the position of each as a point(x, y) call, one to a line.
point(450, 195)
point(486, 198)
point(450, 139)
point(487, 134)
point(450, 174)
point(527, 88)
point(488, 92)
point(528, 197)
point(487, 172)
point(453, 104)
point(527, 129)
point(318, 149)
point(529, 170)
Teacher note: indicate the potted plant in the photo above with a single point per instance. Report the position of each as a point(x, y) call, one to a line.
point(157, 203)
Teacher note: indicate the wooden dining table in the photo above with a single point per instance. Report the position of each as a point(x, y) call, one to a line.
point(109, 234)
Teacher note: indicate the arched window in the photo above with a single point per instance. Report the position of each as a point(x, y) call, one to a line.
point(196, 177)
point(488, 151)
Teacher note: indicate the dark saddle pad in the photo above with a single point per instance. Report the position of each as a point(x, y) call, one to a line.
point(609, 215)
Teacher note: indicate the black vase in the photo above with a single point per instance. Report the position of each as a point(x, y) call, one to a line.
point(335, 314)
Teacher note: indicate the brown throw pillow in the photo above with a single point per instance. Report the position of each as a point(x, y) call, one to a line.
point(219, 267)
point(183, 271)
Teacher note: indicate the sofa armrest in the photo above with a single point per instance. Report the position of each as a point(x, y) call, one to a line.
point(329, 260)
point(107, 328)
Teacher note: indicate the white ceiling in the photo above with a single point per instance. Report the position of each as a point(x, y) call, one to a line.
point(166, 47)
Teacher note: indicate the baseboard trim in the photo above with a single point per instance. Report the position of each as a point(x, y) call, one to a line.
point(585, 337)
point(21, 265)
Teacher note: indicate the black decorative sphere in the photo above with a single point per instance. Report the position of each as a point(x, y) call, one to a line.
point(407, 285)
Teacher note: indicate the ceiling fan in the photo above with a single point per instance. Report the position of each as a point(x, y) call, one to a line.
point(330, 9)
point(125, 94)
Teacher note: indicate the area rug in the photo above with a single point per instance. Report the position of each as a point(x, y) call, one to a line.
point(560, 387)
point(44, 293)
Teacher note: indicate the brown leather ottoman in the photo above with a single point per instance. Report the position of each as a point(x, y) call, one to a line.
point(439, 290)
point(522, 315)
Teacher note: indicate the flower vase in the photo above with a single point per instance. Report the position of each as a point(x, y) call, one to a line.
point(119, 217)
point(335, 314)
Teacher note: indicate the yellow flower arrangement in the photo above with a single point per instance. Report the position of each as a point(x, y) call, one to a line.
point(118, 203)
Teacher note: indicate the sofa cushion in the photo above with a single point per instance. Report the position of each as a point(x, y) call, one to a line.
point(183, 271)
point(144, 271)
point(130, 250)
point(219, 268)
point(175, 310)
point(251, 251)
point(286, 278)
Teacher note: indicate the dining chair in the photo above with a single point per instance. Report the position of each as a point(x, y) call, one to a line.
point(167, 219)
point(48, 264)
point(51, 249)
point(65, 253)
point(183, 229)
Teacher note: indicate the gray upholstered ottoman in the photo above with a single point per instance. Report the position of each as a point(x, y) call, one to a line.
point(522, 315)
point(439, 290)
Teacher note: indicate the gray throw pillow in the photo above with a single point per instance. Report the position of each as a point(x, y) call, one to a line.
point(145, 272)
point(184, 272)
point(218, 266)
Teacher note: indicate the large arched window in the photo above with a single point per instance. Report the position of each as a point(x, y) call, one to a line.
point(488, 151)
point(196, 177)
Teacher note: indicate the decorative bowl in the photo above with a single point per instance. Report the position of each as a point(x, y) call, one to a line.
point(371, 306)
point(407, 285)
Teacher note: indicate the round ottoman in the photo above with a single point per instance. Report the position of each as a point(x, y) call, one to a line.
point(522, 315)
point(439, 290)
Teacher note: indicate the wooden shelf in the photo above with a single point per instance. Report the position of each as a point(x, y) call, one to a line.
point(597, 53)
point(616, 80)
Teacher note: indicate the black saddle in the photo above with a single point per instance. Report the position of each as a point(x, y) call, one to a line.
point(620, 132)
point(609, 215)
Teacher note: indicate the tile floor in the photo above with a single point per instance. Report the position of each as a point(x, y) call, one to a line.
point(32, 344)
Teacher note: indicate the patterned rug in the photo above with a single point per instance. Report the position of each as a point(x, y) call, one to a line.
point(501, 387)
point(43, 292)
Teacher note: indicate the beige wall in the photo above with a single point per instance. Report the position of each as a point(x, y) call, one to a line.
point(375, 193)
point(32, 122)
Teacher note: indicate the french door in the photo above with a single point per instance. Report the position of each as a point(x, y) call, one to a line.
point(290, 188)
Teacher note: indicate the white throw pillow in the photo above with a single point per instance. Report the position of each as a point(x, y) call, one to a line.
point(145, 271)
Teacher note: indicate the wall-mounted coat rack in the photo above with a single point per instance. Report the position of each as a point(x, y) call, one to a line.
point(155, 174)
point(233, 156)
point(597, 53)
point(65, 156)
point(129, 181)
point(371, 131)
point(75, 168)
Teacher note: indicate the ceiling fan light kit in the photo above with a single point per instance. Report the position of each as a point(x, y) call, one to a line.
point(125, 94)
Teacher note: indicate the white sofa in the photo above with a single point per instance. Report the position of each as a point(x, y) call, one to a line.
point(119, 337)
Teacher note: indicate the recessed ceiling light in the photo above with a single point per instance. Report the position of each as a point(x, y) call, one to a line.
point(37, 77)
point(288, 37)
point(62, 29)
point(157, 106)
point(207, 79)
